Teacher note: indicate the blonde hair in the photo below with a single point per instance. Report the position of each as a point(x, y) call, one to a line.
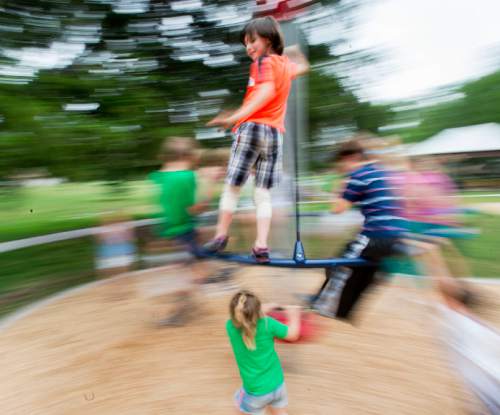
point(245, 312)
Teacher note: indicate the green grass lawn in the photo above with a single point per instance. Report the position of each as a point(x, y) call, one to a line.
point(481, 252)
point(470, 197)
point(33, 211)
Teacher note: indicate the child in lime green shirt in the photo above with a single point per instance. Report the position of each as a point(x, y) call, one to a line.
point(252, 335)
point(176, 186)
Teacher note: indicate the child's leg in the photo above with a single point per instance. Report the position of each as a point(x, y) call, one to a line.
point(436, 268)
point(181, 312)
point(263, 228)
point(244, 154)
point(280, 402)
point(345, 286)
point(268, 169)
point(430, 256)
point(433, 262)
point(185, 303)
point(360, 280)
point(460, 267)
point(227, 206)
point(262, 198)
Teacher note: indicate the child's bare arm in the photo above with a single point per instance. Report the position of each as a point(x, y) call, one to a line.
point(296, 56)
point(293, 323)
point(198, 208)
point(263, 94)
point(293, 313)
point(221, 119)
point(340, 205)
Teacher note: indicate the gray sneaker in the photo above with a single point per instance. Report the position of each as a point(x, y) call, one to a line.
point(216, 245)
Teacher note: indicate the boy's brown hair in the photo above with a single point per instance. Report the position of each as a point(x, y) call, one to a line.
point(178, 149)
point(349, 148)
point(268, 28)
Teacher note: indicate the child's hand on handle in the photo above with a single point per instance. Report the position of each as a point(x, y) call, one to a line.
point(199, 208)
point(340, 205)
point(293, 310)
point(264, 93)
point(294, 315)
point(224, 120)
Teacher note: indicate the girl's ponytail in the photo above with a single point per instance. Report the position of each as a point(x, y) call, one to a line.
point(245, 312)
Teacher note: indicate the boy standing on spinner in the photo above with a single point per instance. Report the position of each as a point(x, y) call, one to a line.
point(258, 126)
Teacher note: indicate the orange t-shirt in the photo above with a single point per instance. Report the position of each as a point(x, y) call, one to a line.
point(280, 71)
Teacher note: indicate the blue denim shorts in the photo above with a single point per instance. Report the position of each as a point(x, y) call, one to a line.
point(256, 404)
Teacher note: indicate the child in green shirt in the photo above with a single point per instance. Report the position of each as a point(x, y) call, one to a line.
point(176, 185)
point(252, 335)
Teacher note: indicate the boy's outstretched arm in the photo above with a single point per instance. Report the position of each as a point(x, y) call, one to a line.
point(198, 208)
point(296, 56)
point(341, 205)
point(264, 93)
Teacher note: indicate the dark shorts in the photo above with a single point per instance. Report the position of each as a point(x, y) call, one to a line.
point(258, 147)
point(344, 286)
point(189, 242)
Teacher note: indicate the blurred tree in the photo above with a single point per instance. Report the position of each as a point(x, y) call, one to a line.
point(89, 88)
point(475, 102)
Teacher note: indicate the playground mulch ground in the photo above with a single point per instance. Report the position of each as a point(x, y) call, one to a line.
point(99, 351)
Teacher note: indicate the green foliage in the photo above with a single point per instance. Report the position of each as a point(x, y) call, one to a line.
point(119, 140)
point(40, 210)
point(479, 103)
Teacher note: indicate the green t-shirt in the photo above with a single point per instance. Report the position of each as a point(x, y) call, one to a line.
point(260, 369)
point(176, 193)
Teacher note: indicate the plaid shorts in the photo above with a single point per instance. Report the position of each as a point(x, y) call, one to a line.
point(259, 147)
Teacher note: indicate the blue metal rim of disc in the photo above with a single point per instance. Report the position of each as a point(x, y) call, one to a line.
point(288, 263)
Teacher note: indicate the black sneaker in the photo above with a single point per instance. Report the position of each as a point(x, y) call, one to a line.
point(261, 255)
point(216, 244)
